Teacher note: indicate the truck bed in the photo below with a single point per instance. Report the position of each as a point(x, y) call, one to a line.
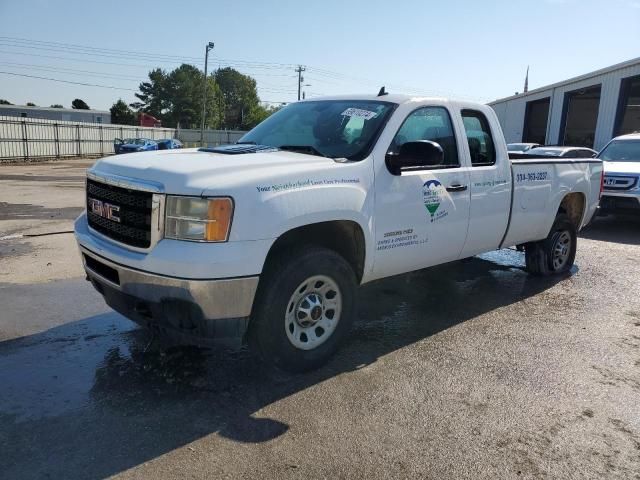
point(539, 185)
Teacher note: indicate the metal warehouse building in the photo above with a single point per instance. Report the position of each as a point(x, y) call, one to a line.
point(61, 114)
point(584, 111)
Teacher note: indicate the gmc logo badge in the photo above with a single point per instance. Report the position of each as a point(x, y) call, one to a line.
point(104, 209)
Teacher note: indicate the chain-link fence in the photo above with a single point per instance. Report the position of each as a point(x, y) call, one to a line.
point(27, 139)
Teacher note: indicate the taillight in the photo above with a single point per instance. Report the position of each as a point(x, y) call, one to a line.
point(601, 183)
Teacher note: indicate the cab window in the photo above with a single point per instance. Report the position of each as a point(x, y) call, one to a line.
point(585, 154)
point(481, 145)
point(429, 123)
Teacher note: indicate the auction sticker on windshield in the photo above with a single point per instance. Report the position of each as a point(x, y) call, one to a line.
point(358, 112)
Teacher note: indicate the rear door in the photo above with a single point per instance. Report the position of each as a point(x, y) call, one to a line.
point(421, 216)
point(490, 183)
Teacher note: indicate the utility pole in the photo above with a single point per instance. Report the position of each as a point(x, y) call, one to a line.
point(299, 71)
point(204, 92)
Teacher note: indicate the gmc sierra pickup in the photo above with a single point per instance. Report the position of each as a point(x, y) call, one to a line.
point(267, 240)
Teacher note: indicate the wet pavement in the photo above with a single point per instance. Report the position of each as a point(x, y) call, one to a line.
point(468, 370)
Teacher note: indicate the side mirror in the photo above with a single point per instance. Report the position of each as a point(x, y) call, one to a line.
point(415, 155)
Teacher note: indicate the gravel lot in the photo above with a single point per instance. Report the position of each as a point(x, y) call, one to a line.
point(468, 370)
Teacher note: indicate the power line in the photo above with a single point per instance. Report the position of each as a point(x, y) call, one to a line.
point(321, 75)
point(115, 53)
point(71, 71)
point(67, 81)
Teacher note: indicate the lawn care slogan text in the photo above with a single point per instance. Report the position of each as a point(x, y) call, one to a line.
point(282, 187)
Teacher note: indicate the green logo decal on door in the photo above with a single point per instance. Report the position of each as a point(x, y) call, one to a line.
point(432, 195)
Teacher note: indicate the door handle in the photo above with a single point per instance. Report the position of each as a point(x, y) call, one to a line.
point(456, 188)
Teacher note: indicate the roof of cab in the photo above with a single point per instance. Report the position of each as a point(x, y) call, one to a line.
point(389, 97)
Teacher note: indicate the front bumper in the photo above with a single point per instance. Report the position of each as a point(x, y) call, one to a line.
point(197, 311)
point(619, 203)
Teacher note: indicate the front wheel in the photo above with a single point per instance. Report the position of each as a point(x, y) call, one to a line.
point(556, 253)
point(304, 308)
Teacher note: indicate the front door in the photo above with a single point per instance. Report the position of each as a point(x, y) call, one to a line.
point(421, 216)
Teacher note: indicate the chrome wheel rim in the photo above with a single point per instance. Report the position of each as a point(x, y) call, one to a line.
point(561, 250)
point(313, 312)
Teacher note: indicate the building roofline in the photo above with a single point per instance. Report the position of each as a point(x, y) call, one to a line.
point(50, 109)
point(612, 68)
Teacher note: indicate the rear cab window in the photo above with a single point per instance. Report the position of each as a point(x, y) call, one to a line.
point(481, 145)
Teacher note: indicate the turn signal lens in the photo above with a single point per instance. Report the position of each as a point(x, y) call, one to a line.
point(220, 213)
point(198, 219)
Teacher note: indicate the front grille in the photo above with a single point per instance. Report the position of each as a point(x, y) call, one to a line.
point(619, 182)
point(101, 269)
point(134, 213)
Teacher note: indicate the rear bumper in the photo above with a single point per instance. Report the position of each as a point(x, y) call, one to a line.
point(196, 311)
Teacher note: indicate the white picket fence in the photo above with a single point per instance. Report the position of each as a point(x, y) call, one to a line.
point(30, 139)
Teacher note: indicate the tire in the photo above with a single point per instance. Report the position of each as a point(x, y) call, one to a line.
point(304, 308)
point(555, 254)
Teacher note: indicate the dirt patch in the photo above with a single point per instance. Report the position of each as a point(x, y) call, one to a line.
point(21, 211)
point(43, 178)
point(13, 249)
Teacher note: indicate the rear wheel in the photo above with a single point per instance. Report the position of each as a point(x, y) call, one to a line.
point(556, 253)
point(304, 308)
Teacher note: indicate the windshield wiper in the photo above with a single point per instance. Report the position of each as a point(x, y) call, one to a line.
point(245, 143)
point(308, 149)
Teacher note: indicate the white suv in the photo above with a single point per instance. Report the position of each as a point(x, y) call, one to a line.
point(621, 160)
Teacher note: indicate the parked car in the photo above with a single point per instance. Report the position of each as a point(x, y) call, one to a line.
point(267, 240)
point(130, 145)
point(169, 144)
point(563, 152)
point(621, 161)
point(521, 147)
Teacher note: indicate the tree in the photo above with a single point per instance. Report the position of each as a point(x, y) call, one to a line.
point(121, 114)
point(240, 97)
point(153, 95)
point(79, 104)
point(5, 102)
point(31, 104)
point(176, 98)
point(184, 89)
point(259, 113)
point(56, 105)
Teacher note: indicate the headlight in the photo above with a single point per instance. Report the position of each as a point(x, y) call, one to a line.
point(198, 219)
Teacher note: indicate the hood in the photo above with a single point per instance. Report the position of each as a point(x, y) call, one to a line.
point(621, 167)
point(191, 172)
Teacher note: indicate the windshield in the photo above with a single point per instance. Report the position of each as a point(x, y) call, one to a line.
point(621, 151)
point(332, 128)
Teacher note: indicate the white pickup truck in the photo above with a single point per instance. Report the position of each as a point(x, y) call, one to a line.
point(267, 240)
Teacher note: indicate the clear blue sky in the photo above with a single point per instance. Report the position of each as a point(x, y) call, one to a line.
point(465, 48)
